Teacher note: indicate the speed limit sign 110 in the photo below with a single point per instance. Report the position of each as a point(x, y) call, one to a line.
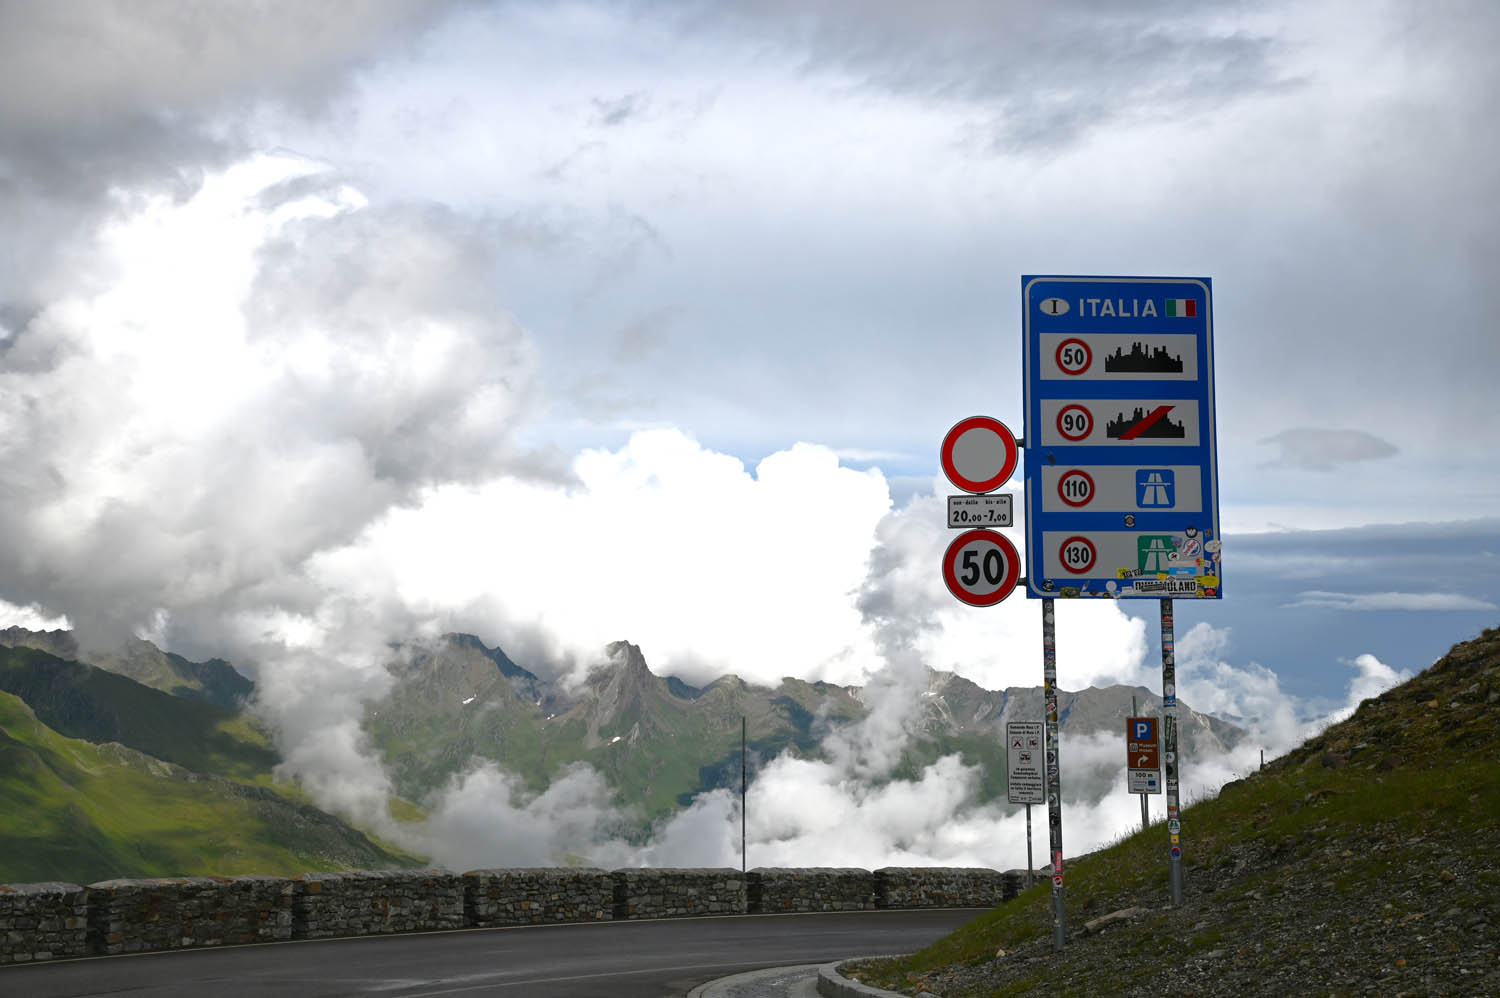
point(981, 567)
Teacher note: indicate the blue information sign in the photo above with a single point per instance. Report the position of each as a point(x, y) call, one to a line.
point(1122, 495)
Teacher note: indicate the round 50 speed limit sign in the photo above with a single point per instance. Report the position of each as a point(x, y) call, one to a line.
point(981, 567)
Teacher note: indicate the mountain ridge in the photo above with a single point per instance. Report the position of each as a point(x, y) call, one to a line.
point(681, 740)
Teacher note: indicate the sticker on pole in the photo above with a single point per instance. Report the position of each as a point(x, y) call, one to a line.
point(981, 567)
point(979, 454)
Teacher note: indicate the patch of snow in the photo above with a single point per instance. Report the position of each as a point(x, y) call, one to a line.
point(615, 739)
point(470, 700)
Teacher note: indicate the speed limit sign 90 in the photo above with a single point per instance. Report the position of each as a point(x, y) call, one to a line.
point(981, 567)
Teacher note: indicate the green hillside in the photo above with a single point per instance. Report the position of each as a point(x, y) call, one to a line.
point(100, 706)
point(215, 680)
point(75, 811)
point(1365, 861)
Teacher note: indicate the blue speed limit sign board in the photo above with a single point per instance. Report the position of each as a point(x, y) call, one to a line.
point(981, 567)
point(1121, 467)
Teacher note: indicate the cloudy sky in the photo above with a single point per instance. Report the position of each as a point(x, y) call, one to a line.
point(324, 324)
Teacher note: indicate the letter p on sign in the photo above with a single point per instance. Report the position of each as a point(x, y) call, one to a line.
point(1142, 730)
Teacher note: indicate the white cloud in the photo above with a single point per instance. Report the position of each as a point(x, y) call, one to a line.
point(1391, 601)
point(1251, 695)
point(1323, 449)
point(708, 567)
point(32, 618)
point(1374, 678)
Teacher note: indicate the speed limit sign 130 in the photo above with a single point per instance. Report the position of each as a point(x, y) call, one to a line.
point(981, 567)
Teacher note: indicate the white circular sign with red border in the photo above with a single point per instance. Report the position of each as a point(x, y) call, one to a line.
point(1077, 555)
point(981, 567)
point(979, 454)
point(1075, 422)
point(1073, 356)
point(1076, 487)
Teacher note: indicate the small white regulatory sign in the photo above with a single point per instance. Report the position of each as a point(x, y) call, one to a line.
point(1024, 754)
point(994, 510)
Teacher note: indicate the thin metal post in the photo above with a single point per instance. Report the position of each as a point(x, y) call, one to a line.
point(1145, 818)
point(742, 796)
point(1054, 777)
point(1030, 863)
point(1169, 750)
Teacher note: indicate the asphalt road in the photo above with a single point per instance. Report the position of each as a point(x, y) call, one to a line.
point(616, 959)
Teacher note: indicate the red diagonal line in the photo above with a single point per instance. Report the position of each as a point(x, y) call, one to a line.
point(1146, 422)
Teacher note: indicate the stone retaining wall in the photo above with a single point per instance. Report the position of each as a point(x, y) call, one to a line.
point(678, 893)
point(529, 897)
point(57, 921)
point(43, 922)
point(138, 916)
point(368, 904)
point(810, 889)
point(943, 886)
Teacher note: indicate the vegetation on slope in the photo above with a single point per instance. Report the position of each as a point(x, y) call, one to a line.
point(215, 680)
point(72, 810)
point(1368, 857)
point(99, 706)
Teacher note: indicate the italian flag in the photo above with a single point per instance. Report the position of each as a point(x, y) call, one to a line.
point(1182, 308)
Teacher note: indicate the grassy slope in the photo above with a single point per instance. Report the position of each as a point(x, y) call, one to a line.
point(99, 706)
point(1358, 831)
point(72, 810)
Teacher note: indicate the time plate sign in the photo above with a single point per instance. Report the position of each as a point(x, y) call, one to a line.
point(980, 511)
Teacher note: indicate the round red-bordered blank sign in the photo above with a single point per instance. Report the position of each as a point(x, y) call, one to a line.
point(1085, 549)
point(979, 454)
point(1083, 493)
point(1073, 356)
point(1063, 422)
point(981, 567)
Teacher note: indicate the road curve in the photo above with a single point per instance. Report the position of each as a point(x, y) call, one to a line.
point(648, 959)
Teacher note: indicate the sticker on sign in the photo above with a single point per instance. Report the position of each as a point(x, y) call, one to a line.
point(993, 510)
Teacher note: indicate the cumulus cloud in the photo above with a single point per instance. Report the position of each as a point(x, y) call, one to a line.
point(32, 618)
point(1251, 695)
point(709, 566)
point(113, 100)
point(191, 424)
point(234, 386)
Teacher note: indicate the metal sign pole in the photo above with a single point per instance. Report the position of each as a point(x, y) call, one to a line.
point(1030, 863)
point(743, 772)
point(1145, 820)
point(1169, 737)
point(1054, 779)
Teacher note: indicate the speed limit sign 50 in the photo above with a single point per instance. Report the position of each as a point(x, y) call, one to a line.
point(981, 567)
